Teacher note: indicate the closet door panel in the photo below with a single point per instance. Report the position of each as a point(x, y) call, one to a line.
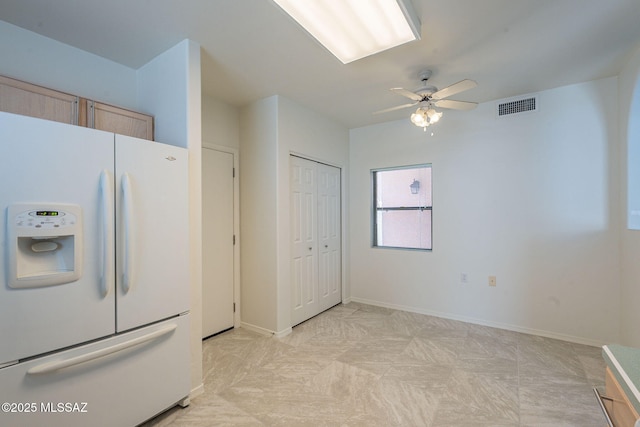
point(329, 238)
point(304, 247)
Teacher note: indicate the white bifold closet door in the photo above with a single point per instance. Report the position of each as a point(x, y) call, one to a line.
point(316, 271)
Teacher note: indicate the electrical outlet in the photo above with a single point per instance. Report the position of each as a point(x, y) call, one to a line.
point(492, 280)
point(464, 278)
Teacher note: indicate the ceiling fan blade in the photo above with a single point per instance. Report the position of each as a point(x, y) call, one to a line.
point(455, 105)
point(399, 107)
point(406, 93)
point(448, 91)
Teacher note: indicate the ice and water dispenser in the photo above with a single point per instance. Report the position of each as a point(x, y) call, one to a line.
point(44, 244)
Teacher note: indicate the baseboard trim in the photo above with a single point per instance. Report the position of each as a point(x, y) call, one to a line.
point(257, 329)
point(505, 326)
point(283, 333)
point(196, 391)
point(266, 332)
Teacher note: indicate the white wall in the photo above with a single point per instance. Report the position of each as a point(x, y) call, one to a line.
point(271, 129)
point(39, 60)
point(532, 199)
point(169, 87)
point(220, 123)
point(258, 210)
point(629, 90)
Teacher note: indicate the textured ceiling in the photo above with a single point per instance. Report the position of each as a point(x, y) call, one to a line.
point(251, 49)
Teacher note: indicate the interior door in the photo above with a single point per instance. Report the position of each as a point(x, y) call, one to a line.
point(152, 231)
point(217, 241)
point(45, 163)
point(329, 237)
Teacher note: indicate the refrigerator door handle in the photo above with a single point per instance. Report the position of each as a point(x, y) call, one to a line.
point(50, 367)
point(127, 207)
point(106, 193)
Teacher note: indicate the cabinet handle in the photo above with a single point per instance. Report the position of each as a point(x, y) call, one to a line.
point(310, 248)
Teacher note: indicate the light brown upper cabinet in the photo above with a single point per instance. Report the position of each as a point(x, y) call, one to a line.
point(24, 98)
point(19, 97)
point(119, 120)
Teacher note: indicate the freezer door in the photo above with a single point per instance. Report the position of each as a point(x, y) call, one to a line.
point(44, 164)
point(152, 231)
point(119, 381)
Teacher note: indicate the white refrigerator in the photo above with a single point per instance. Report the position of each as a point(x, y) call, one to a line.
point(94, 295)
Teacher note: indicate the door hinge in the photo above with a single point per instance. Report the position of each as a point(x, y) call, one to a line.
point(234, 239)
point(234, 307)
point(233, 173)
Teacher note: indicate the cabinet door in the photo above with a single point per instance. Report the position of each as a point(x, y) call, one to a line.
point(118, 120)
point(619, 408)
point(23, 98)
point(152, 231)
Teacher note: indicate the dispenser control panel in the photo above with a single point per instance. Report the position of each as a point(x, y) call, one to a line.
point(45, 219)
point(44, 244)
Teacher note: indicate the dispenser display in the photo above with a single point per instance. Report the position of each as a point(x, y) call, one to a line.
point(44, 244)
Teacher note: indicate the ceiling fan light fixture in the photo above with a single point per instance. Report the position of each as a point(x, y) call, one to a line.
point(419, 118)
point(425, 117)
point(354, 29)
point(433, 115)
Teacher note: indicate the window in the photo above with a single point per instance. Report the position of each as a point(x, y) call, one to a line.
point(402, 207)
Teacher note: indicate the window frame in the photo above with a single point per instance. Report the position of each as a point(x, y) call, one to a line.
point(375, 209)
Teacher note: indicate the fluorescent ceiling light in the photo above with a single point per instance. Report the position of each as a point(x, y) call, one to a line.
point(353, 29)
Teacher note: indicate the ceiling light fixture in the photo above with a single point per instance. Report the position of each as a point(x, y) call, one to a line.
point(353, 29)
point(425, 116)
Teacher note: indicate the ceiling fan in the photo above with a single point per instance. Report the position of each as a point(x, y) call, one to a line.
point(429, 97)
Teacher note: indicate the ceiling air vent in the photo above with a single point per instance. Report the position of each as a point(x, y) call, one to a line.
point(522, 105)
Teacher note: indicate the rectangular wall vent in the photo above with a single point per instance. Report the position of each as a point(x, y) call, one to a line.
point(518, 106)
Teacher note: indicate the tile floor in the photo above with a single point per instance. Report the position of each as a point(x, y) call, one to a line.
point(360, 365)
